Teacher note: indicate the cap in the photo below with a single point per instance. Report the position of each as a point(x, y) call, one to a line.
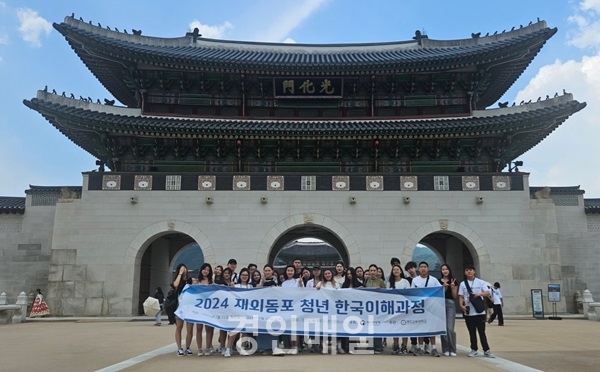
point(317, 267)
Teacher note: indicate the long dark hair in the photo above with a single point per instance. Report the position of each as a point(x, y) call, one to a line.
point(285, 272)
point(351, 283)
point(392, 279)
point(239, 278)
point(255, 283)
point(210, 273)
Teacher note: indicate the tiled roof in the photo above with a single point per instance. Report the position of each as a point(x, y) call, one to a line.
point(13, 205)
point(592, 206)
point(88, 124)
point(501, 58)
point(32, 188)
point(564, 190)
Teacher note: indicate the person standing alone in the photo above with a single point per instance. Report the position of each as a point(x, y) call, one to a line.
point(498, 304)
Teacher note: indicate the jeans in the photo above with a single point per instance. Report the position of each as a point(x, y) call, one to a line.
point(159, 315)
point(449, 340)
point(476, 324)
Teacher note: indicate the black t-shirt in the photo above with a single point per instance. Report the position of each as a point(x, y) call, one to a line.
point(270, 283)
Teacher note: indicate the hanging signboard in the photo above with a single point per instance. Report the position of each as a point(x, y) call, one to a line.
point(537, 303)
point(553, 292)
point(308, 87)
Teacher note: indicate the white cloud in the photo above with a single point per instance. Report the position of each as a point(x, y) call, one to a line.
point(2, 4)
point(290, 19)
point(3, 39)
point(289, 40)
point(568, 156)
point(32, 26)
point(211, 32)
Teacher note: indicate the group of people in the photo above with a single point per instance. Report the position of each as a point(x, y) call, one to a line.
point(470, 289)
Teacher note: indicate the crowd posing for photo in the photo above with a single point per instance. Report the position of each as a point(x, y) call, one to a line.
point(470, 293)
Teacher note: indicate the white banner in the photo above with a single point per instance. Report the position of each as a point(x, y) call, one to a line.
point(344, 312)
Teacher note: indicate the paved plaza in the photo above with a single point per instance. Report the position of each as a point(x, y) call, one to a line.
point(136, 344)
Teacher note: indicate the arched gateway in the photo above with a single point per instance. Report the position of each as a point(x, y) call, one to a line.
point(241, 146)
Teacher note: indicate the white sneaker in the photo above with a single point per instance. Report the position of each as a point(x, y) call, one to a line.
point(244, 352)
point(452, 354)
point(446, 353)
point(227, 353)
point(208, 351)
point(488, 354)
point(472, 353)
point(293, 351)
point(426, 349)
point(278, 352)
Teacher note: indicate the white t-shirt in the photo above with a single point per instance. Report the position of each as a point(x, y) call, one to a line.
point(477, 286)
point(244, 285)
point(402, 284)
point(291, 283)
point(419, 282)
point(496, 296)
point(328, 285)
point(311, 284)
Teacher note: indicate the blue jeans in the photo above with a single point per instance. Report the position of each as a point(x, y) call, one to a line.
point(449, 340)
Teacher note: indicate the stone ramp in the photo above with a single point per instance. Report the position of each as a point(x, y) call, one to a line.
point(113, 344)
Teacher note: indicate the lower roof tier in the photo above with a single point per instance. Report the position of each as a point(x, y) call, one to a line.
point(127, 140)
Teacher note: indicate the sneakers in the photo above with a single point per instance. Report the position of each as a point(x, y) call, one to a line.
point(413, 349)
point(426, 349)
point(452, 354)
point(488, 354)
point(339, 350)
point(403, 350)
point(244, 352)
point(208, 351)
point(434, 353)
point(446, 353)
point(188, 351)
point(227, 353)
point(278, 352)
point(180, 352)
point(395, 350)
point(293, 351)
point(419, 352)
point(314, 349)
point(472, 353)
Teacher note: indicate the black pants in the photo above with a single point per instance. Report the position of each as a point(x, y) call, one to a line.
point(476, 324)
point(497, 312)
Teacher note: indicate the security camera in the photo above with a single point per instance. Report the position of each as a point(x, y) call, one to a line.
point(133, 200)
point(264, 200)
point(479, 199)
point(406, 200)
point(352, 200)
point(209, 200)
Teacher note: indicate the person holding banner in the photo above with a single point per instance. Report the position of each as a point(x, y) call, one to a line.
point(267, 342)
point(242, 282)
point(328, 281)
point(375, 281)
point(424, 280)
point(360, 274)
point(397, 281)
point(450, 294)
point(475, 320)
point(316, 278)
point(179, 283)
point(340, 271)
point(292, 281)
point(205, 278)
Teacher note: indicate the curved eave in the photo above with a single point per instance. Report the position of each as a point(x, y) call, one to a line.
point(12, 205)
point(591, 206)
point(111, 54)
point(89, 125)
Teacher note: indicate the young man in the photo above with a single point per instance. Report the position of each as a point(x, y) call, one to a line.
point(410, 271)
point(425, 281)
point(498, 303)
point(232, 264)
point(375, 282)
point(297, 267)
point(474, 320)
point(251, 269)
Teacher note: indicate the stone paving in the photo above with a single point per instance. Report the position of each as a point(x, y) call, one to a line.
point(113, 344)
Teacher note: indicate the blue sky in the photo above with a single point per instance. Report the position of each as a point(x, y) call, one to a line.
point(33, 55)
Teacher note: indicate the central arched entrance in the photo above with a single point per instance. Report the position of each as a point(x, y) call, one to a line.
point(161, 257)
point(314, 245)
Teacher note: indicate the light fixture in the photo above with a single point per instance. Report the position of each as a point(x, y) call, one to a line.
point(352, 200)
point(133, 199)
point(209, 200)
point(479, 199)
point(264, 200)
point(513, 167)
point(406, 200)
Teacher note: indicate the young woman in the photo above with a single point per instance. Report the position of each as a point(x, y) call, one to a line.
point(205, 278)
point(242, 282)
point(228, 282)
point(218, 274)
point(450, 294)
point(306, 276)
point(360, 272)
point(351, 279)
point(179, 283)
point(340, 272)
point(380, 273)
point(291, 282)
point(39, 307)
point(171, 303)
point(328, 281)
point(256, 278)
point(316, 278)
point(397, 281)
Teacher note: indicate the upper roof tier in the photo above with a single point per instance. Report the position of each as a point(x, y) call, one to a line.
point(116, 57)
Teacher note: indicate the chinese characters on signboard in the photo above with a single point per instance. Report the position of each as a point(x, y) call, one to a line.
point(308, 87)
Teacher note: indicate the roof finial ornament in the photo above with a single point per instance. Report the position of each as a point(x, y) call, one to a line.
point(73, 15)
point(99, 25)
point(564, 91)
point(530, 22)
point(555, 94)
point(136, 32)
point(419, 36)
point(476, 35)
point(81, 19)
point(503, 104)
point(109, 102)
point(196, 34)
point(125, 31)
point(487, 34)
